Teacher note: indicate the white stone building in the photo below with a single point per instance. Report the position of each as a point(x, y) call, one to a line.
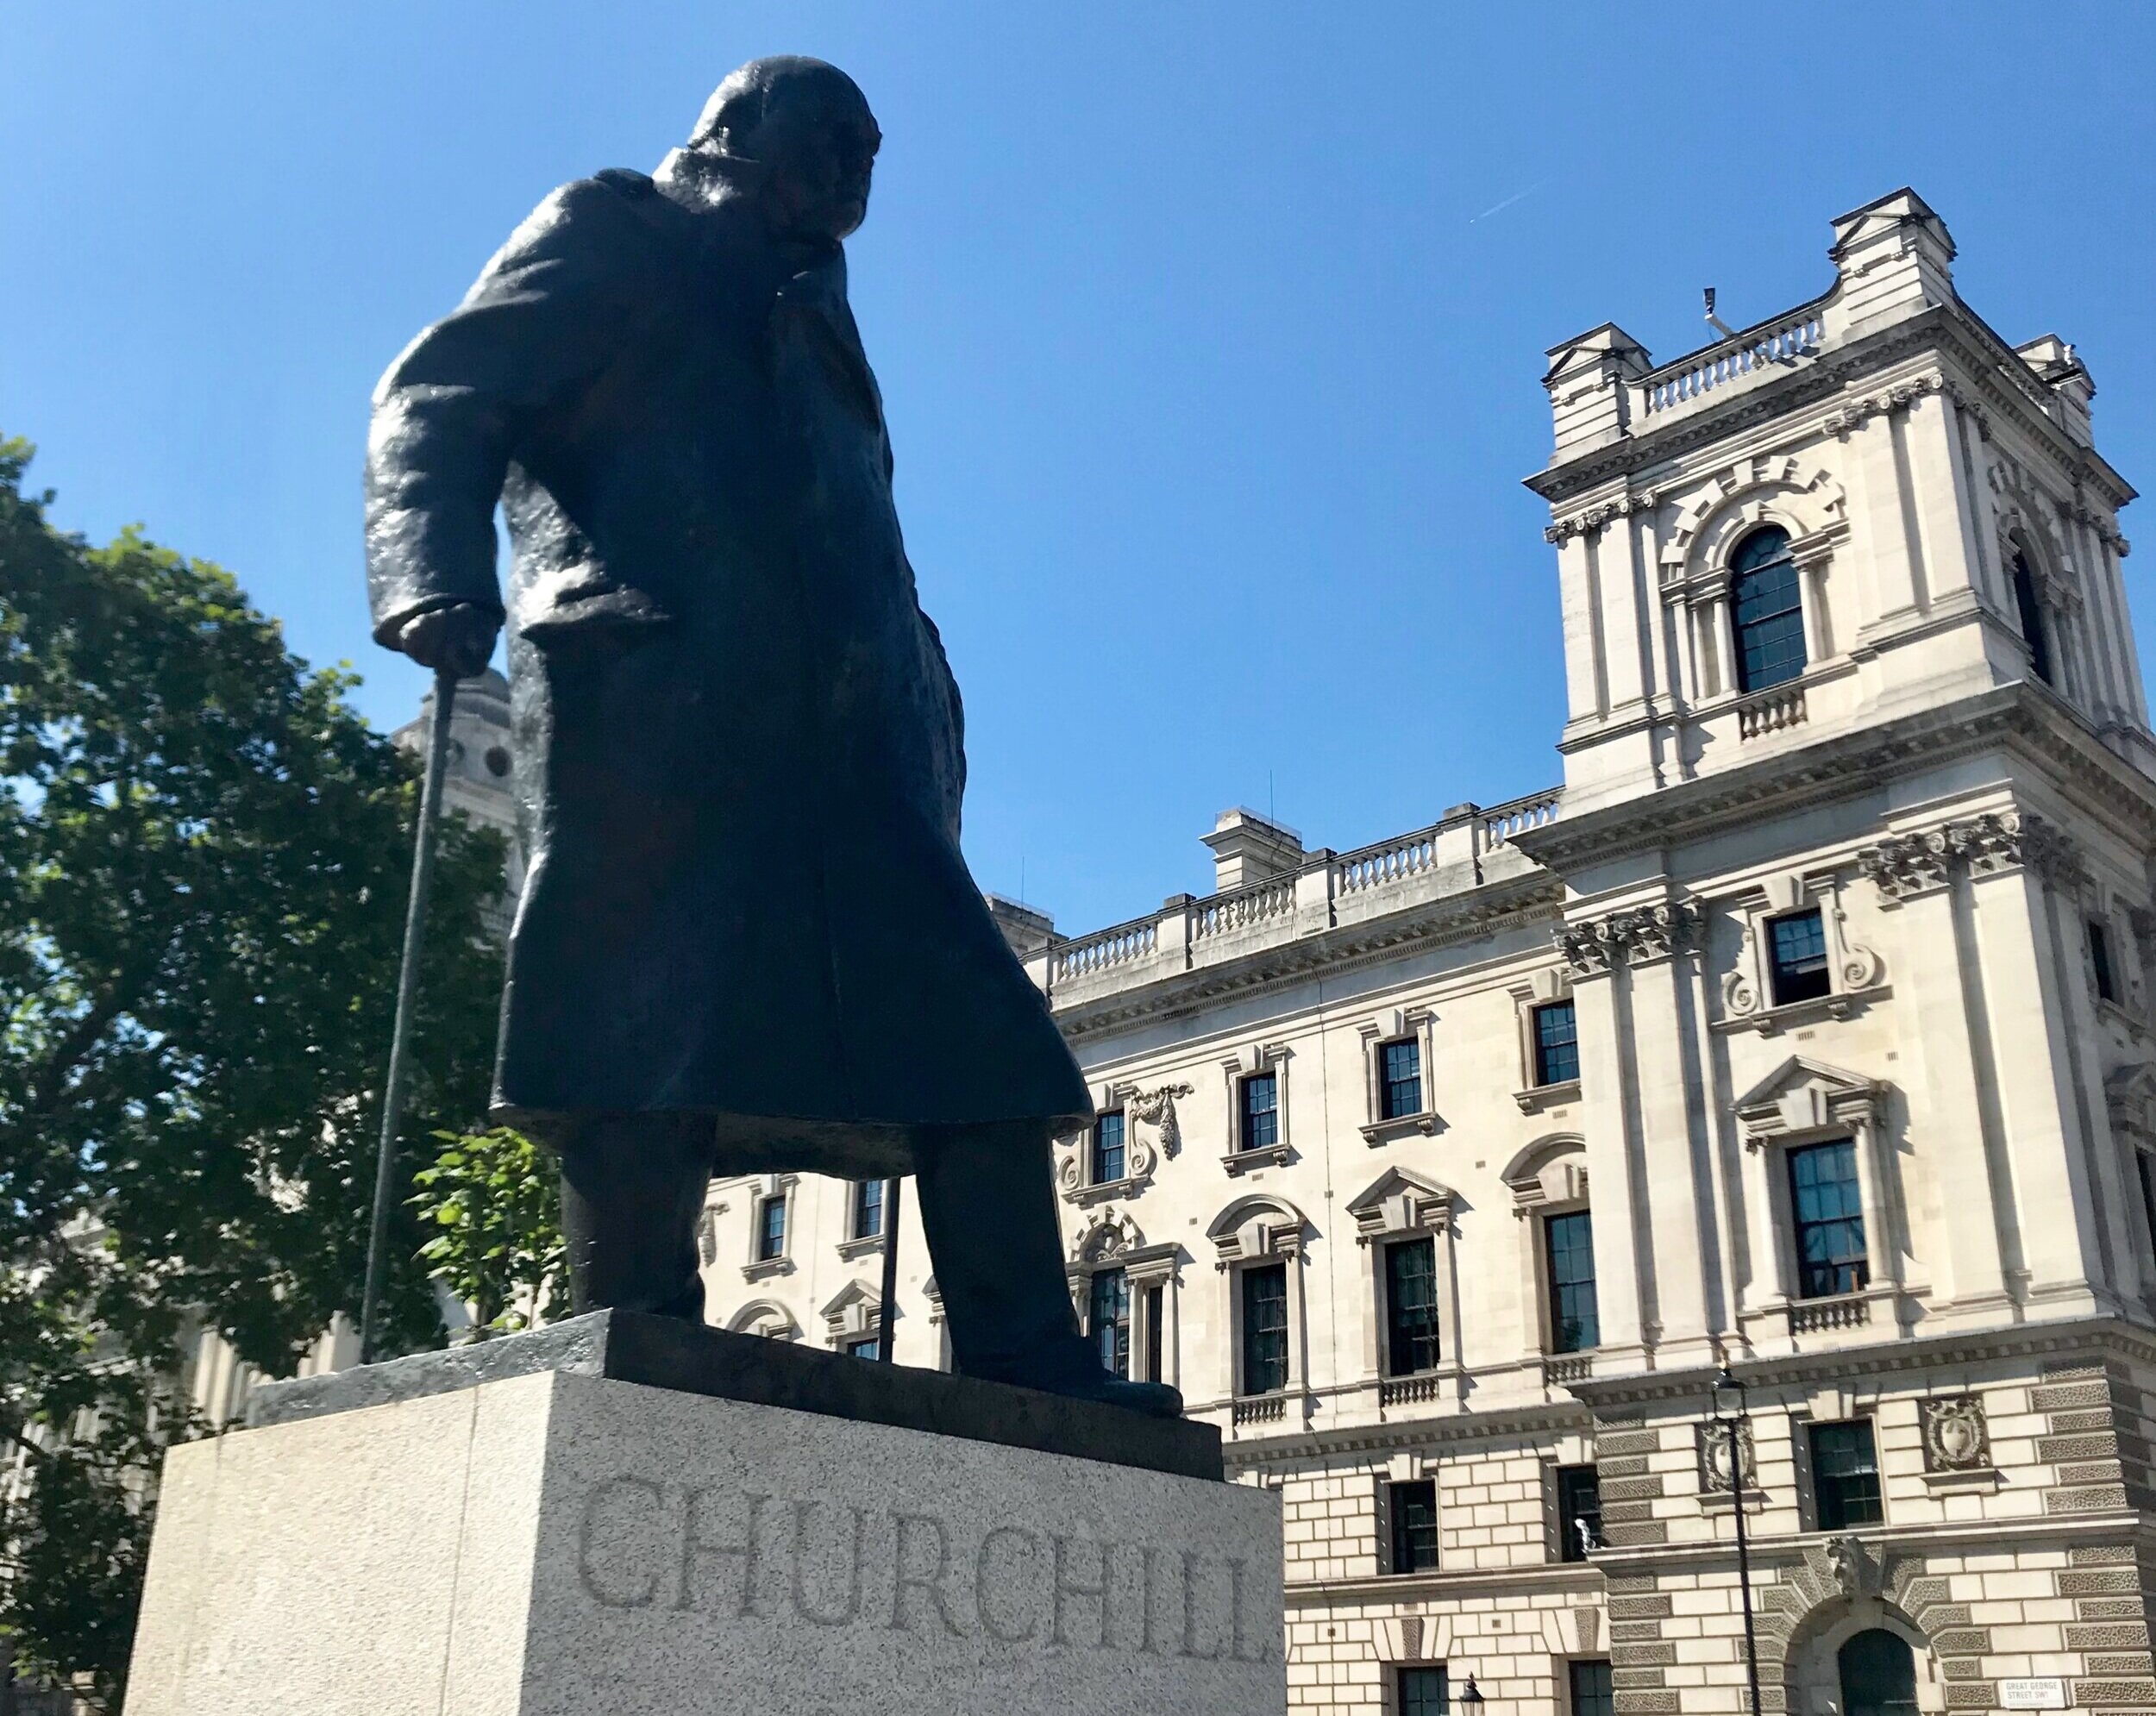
point(1808, 1024)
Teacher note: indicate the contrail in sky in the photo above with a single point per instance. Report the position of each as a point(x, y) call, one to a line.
point(1508, 202)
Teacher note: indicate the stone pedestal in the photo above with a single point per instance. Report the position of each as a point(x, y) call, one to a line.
point(535, 1527)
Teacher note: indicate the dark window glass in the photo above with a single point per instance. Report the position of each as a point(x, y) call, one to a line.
point(1107, 1148)
point(1878, 1675)
point(1400, 1082)
point(1411, 1306)
point(1415, 1510)
point(1265, 1329)
point(1845, 1475)
point(2100, 958)
point(1796, 957)
point(1569, 1242)
point(1557, 1043)
point(1261, 1112)
point(1155, 1336)
point(1108, 1319)
point(1579, 1513)
point(1829, 1212)
point(2146, 1164)
point(771, 1228)
point(1591, 1694)
point(1770, 614)
point(1423, 1692)
point(868, 1208)
point(867, 1347)
point(2029, 610)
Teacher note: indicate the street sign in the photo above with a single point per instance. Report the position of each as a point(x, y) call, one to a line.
point(2036, 1695)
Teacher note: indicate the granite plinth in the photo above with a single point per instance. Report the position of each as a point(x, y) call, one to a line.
point(564, 1542)
point(666, 1352)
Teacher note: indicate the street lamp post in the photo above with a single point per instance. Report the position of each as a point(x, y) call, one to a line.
point(1471, 1694)
point(1729, 1414)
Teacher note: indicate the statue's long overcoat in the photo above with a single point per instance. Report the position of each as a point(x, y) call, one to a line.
point(740, 746)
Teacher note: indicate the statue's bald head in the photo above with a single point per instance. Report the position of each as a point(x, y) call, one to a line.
point(808, 124)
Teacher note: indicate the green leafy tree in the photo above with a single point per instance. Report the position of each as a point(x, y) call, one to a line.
point(204, 855)
point(492, 1202)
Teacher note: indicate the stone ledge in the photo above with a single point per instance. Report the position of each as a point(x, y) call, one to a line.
point(689, 1358)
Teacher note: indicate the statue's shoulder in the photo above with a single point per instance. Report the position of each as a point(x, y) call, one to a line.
point(611, 223)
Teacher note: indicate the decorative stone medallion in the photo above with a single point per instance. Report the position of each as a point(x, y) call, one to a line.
point(1955, 1436)
point(1714, 1458)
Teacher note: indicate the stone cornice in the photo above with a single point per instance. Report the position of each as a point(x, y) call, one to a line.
point(2016, 715)
point(1951, 329)
point(1471, 915)
point(1397, 1435)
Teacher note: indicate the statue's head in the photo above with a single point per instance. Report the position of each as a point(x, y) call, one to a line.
point(808, 128)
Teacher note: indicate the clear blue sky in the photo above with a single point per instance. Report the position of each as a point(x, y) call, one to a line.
point(1211, 333)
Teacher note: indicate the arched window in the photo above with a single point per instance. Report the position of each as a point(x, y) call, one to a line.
point(1769, 612)
point(2029, 608)
point(1878, 1675)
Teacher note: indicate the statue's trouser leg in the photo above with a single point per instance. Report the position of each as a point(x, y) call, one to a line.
point(632, 1188)
point(987, 1199)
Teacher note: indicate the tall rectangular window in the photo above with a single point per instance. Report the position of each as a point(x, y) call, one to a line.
point(1579, 1511)
point(1108, 1319)
point(2100, 959)
point(1844, 1475)
point(1413, 1508)
point(2146, 1164)
point(1155, 1336)
point(1829, 1212)
point(1796, 957)
point(1260, 1128)
point(771, 1228)
point(1591, 1687)
point(1264, 1289)
point(1557, 1043)
point(868, 1208)
point(1411, 1306)
point(1107, 1148)
point(1400, 1079)
point(1423, 1692)
point(1569, 1243)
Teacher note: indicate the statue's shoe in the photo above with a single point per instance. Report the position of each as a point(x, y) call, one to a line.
point(1084, 1378)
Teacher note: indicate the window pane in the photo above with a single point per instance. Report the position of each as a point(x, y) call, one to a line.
point(1579, 1511)
point(1107, 1148)
point(2146, 1164)
point(1796, 954)
point(1261, 1111)
point(1265, 1329)
point(1845, 1475)
point(1411, 1306)
point(2029, 610)
point(1399, 1085)
point(868, 1208)
point(1569, 1242)
point(2100, 959)
point(1414, 1509)
point(1591, 1692)
point(1878, 1675)
point(1828, 1210)
point(1557, 1043)
point(1768, 610)
point(870, 1348)
point(771, 1228)
point(1108, 1319)
point(1423, 1692)
point(1155, 1336)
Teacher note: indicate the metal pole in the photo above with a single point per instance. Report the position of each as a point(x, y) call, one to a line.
point(889, 1307)
point(445, 692)
point(1744, 1561)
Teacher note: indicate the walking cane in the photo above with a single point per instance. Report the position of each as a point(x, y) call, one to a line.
point(889, 1307)
point(445, 692)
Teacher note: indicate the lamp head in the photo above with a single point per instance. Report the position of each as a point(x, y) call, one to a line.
point(1728, 1394)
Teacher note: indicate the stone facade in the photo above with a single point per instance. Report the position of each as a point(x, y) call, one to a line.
point(1950, 794)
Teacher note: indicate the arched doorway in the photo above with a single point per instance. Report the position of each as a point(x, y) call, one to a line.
point(1878, 1674)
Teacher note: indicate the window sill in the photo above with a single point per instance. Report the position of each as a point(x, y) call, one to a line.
point(1767, 1021)
point(1984, 1479)
point(1406, 1125)
point(1537, 1097)
point(1101, 1191)
point(866, 1246)
point(2122, 1016)
point(1242, 1162)
point(764, 1268)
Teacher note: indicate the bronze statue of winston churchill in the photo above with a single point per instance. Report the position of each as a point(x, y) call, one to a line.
point(748, 941)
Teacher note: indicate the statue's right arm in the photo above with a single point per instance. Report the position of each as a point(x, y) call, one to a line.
point(542, 320)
